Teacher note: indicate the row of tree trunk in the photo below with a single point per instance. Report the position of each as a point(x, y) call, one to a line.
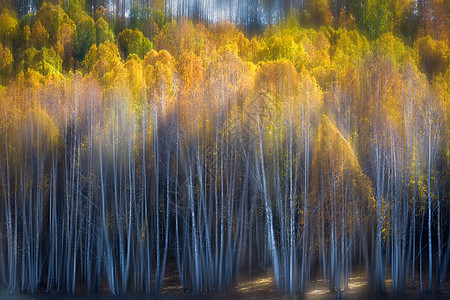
point(104, 190)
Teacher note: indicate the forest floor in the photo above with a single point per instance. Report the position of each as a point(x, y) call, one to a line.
point(256, 286)
point(263, 287)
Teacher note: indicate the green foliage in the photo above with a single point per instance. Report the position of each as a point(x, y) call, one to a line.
point(376, 18)
point(282, 47)
point(27, 19)
point(159, 17)
point(51, 17)
point(45, 61)
point(73, 7)
point(330, 53)
point(104, 34)
point(356, 8)
point(133, 42)
point(135, 15)
point(25, 25)
point(149, 20)
point(86, 34)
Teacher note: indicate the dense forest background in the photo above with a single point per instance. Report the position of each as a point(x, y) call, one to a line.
point(304, 138)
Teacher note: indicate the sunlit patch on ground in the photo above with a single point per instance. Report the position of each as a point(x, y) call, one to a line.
point(316, 292)
point(171, 284)
point(259, 283)
point(357, 282)
point(263, 287)
point(172, 289)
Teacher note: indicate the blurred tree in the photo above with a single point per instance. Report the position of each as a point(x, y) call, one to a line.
point(191, 72)
point(93, 5)
point(255, 50)
point(391, 47)
point(51, 17)
point(9, 27)
point(281, 47)
point(355, 8)
point(159, 70)
point(278, 80)
point(397, 10)
point(152, 21)
point(104, 34)
point(26, 34)
point(65, 42)
point(136, 16)
point(433, 18)
point(86, 34)
point(319, 12)
point(180, 36)
point(136, 80)
point(73, 7)
point(44, 61)
point(102, 12)
point(408, 23)
point(159, 17)
point(346, 20)
point(344, 194)
point(22, 7)
point(27, 19)
point(376, 18)
point(6, 60)
point(133, 42)
point(104, 63)
point(434, 55)
point(350, 48)
point(39, 36)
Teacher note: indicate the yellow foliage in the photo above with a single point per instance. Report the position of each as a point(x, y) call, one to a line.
point(190, 69)
point(334, 156)
point(8, 26)
point(104, 63)
point(39, 35)
point(49, 130)
point(6, 58)
point(136, 79)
